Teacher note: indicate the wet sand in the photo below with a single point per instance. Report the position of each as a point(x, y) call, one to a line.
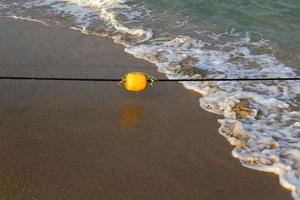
point(74, 140)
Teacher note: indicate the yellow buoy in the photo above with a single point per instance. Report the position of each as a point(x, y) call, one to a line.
point(136, 81)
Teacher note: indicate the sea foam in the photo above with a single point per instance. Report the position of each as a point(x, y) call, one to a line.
point(267, 137)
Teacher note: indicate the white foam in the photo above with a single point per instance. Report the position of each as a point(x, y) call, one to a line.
point(26, 18)
point(269, 138)
point(106, 12)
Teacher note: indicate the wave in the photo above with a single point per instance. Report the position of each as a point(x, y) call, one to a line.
point(261, 119)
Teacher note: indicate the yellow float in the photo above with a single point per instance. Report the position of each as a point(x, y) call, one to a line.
point(137, 81)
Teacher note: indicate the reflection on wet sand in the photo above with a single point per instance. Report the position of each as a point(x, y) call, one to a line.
point(131, 115)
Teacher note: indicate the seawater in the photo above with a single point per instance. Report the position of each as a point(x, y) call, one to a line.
point(209, 39)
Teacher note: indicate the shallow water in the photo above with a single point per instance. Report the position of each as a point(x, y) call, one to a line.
point(278, 20)
point(209, 39)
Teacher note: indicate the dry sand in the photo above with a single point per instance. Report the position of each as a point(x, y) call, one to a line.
point(86, 141)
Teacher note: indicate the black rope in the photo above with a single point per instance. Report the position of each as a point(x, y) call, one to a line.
point(163, 80)
point(235, 79)
point(57, 79)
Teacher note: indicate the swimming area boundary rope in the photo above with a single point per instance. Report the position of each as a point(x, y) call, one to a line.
point(159, 80)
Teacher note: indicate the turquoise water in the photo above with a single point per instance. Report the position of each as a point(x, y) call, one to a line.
point(277, 20)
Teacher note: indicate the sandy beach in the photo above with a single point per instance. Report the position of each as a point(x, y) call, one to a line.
point(85, 141)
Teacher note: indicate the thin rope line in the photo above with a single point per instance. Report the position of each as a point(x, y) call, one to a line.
point(162, 80)
point(234, 79)
point(56, 79)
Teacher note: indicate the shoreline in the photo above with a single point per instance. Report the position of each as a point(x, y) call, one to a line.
point(108, 155)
